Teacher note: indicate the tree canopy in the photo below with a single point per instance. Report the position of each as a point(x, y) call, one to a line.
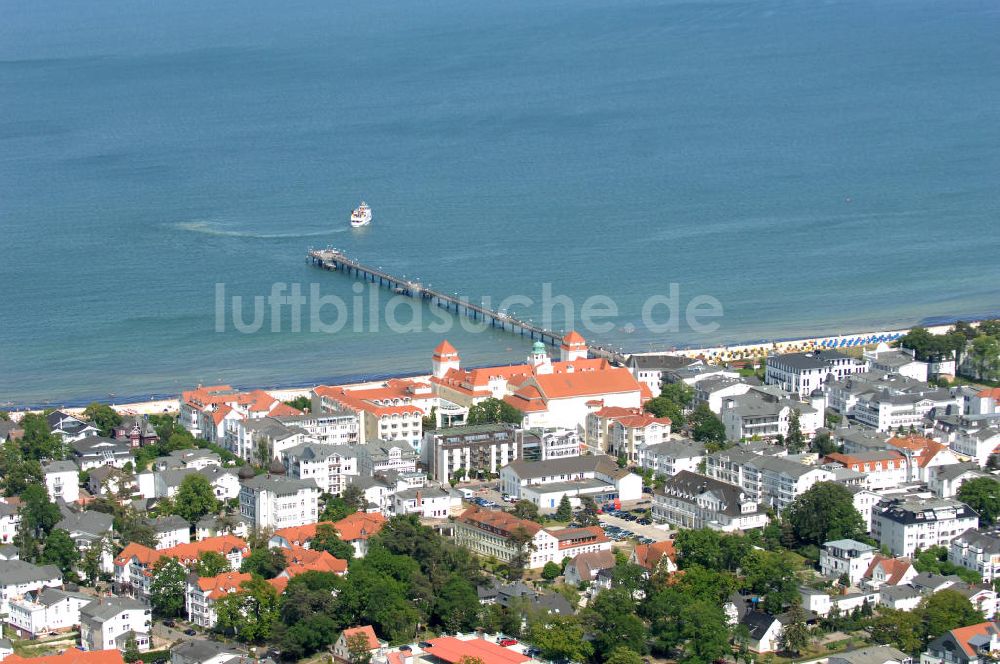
point(494, 411)
point(195, 498)
point(983, 495)
point(825, 512)
point(103, 416)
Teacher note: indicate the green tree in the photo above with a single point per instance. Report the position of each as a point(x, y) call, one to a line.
point(494, 411)
point(211, 563)
point(38, 516)
point(131, 651)
point(944, 611)
point(613, 622)
point(90, 562)
point(456, 606)
point(38, 442)
point(680, 393)
point(60, 550)
point(984, 358)
point(825, 512)
point(565, 510)
point(195, 498)
point(902, 629)
point(250, 613)
point(521, 538)
point(18, 472)
point(823, 444)
point(706, 427)
point(983, 495)
point(665, 407)
point(795, 633)
point(559, 638)
point(525, 509)
point(103, 416)
point(587, 516)
point(326, 539)
point(623, 655)
point(358, 649)
point(266, 563)
point(166, 591)
point(795, 441)
point(551, 571)
point(301, 402)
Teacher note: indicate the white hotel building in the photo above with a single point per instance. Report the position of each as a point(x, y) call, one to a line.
point(905, 526)
point(801, 373)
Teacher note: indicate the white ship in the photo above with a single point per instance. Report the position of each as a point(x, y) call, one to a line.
point(362, 215)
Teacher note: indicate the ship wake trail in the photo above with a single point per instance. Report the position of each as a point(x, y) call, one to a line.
point(221, 230)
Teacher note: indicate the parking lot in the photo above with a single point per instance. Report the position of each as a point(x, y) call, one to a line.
point(613, 524)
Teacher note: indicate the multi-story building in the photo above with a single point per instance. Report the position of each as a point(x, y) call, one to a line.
point(889, 410)
point(545, 482)
point(802, 373)
point(503, 536)
point(95, 451)
point(765, 414)
point(649, 369)
point(908, 525)
point(170, 531)
point(210, 411)
point(945, 481)
point(47, 610)
point(202, 592)
point(276, 501)
point(882, 469)
point(671, 457)
point(62, 479)
point(773, 481)
point(475, 449)
point(714, 391)
point(620, 431)
point(262, 439)
point(69, 427)
point(330, 427)
point(391, 412)
point(380, 456)
point(978, 551)
point(689, 500)
point(978, 443)
point(355, 529)
point(137, 430)
point(425, 502)
point(18, 577)
point(133, 567)
point(328, 465)
point(846, 556)
point(901, 361)
point(109, 622)
point(10, 521)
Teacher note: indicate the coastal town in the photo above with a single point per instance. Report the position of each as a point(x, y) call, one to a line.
point(832, 500)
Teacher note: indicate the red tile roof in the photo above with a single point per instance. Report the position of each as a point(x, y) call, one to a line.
point(574, 337)
point(962, 635)
point(215, 587)
point(498, 522)
point(445, 348)
point(452, 650)
point(583, 383)
point(893, 568)
point(367, 630)
point(301, 560)
point(651, 555)
point(71, 656)
point(360, 525)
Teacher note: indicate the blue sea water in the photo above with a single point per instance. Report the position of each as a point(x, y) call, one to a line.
point(814, 166)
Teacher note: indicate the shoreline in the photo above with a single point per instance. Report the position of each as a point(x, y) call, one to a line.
point(163, 403)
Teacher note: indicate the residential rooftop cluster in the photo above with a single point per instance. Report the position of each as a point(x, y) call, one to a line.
point(472, 514)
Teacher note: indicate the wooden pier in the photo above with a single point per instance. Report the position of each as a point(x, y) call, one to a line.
point(331, 259)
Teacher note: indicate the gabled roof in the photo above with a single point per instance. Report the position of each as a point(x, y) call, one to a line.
point(367, 630)
point(650, 556)
point(215, 587)
point(451, 650)
point(893, 568)
point(305, 560)
point(964, 636)
point(589, 564)
point(360, 525)
point(501, 523)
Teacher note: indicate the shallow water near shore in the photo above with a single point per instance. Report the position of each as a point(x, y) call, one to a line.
point(815, 167)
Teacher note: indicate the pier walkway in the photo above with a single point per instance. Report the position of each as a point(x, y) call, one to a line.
point(331, 259)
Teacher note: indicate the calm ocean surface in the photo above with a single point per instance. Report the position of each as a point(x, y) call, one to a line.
point(815, 166)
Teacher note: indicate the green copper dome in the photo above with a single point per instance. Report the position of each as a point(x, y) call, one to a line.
point(539, 347)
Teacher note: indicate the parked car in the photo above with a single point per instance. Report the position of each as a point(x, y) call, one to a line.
point(169, 623)
point(190, 632)
point(507, 641)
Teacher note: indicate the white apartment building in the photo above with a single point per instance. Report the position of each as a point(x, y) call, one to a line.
point(108, 622)
point(18, 577)
point(978, 551)
point(62, 479)
point(250, 439)
point(765, 414)
point(10, 521)
point(977, 443)
point(801, 373)
point(425, 502)
point(275, 501)
point(900, 361)
point(846, 556)
point(489, 534)
point(908, 525)
point(689, 500)
point(885, 410)
point(882, 469)
point(327, 427)
point(649, 369)
point(170, 531)
point(46, 610)
point(202, 592)
point(671, 457)
point(328, 465)
point(714, 392)
point(381, 455)
point(771, 480)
